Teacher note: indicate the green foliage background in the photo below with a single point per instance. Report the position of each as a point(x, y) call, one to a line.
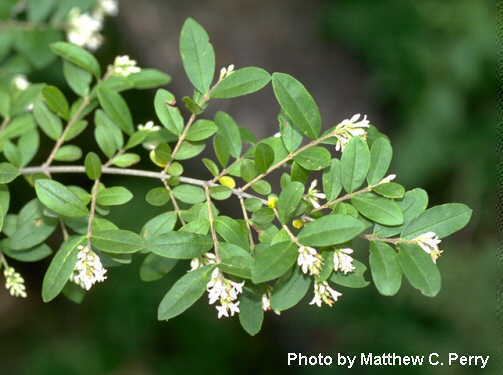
point(430, 64)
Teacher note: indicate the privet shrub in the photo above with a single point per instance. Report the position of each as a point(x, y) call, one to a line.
point(336, 197)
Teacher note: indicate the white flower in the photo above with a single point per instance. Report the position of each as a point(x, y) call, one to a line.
point(429, 242)
point(343, 261)
point(266, 303)
point(349, 128)
point(14, 283)
point(20, 82)
point(88, 269)
point(226, 71)
point(277, 135)
point(203, 260)
point(108, 7)
point(149, 127)
point(226, 292)
point(313, 194)
point(84, 29)
point(387, 179)
point(323, 293)
point(123, 66)
point(309, 260)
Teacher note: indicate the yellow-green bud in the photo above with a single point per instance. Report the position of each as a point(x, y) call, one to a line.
point(298, 223)
point(227, 181)
point(272, 201)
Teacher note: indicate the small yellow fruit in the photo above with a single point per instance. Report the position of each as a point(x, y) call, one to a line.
point(227, 181)
point(272, 201)
point(298, 223)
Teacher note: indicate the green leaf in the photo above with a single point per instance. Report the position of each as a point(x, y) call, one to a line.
point(314, 158)
point(154, 267)
point(38, 10)
point(61, 268)
point(290, 289)
point(33, 44)
point(126, 160)
point(419, 269)
point(298, 104)
point(201, 130)
point(159, 224)
point(291, 138)
point(251, 314)
point(116, 108)
point(332, 185)
point(114, 196)
point(148, 79)
point(211, 166)
point(8, 173)
point(289, 200)
point(48, 121)
point(385, 269)
point(232, 231)
point(197, 54)
point(78, 79)
point(330, 230)
point(412, 205)
point(355, 162)
point(390, 190)
point(179, 245)
point(167, 112)
point(93, 166)
point(33, 254)
point(443, 219)
point(32, 227)
point(228, 134)
point(18, 126)
point(184, 293)
point(56, 101)
point(158, 196)
point(262, 187)
point(68, 153)
point(220, 193)
point(117, 241)
point(273, 261)
point(236, 261)
point(108, 135)
point(264, 156)
point(59, 198)
point(78, 56)
point(355, 279)
point(241, 82)
point(189, 150)
point(189, 194)
point(381, 210)
point(380, 159)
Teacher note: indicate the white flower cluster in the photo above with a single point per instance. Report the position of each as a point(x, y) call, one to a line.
point(84, 29)
point(14, 282)
point(88, 269)
point(226, 72)
point(309, 260)
point(323, 293)
point(313, 194)
point(123, 66)
point(20, 82)
point(343, 261)
point(349, 128)
point(429, 242)
point(226, 292)
point(149, 127)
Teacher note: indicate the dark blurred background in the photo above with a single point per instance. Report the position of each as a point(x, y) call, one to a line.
point(423, 71)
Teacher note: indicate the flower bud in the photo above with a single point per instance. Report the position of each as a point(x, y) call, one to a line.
point(227, 181)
